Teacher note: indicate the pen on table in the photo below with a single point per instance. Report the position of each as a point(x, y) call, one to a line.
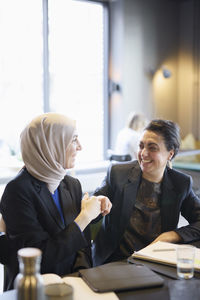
point(160, 250)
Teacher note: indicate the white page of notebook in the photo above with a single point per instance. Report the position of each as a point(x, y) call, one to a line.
point(167, 255)
point(81, 289)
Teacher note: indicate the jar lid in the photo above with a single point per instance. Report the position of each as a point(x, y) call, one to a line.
point(29, 252)
point(59, 289)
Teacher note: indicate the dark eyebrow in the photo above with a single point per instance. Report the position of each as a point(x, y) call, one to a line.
point(152, 144)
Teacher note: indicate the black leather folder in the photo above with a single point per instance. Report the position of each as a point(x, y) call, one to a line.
point(163, 269)
point(169, 271)
point(119, 277)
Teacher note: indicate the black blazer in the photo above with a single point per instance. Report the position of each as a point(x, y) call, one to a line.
point(32, 220)
point(121, 186)
point(5, 249)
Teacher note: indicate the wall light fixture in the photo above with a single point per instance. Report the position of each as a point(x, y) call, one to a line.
point(166, 72)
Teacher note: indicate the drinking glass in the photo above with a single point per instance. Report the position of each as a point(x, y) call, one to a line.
point(185, 261)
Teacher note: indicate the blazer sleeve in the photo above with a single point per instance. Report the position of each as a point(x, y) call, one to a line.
point(105, 188)
point(83, 257)
point(117, 176)
point(190, 210)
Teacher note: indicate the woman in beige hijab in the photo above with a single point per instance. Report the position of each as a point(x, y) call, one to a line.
point(43, 207)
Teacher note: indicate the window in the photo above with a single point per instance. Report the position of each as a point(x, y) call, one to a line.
point(76, 69)
point(59, 69)
point(20, 69)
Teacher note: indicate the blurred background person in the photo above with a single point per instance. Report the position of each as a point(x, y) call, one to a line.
point(128, 138)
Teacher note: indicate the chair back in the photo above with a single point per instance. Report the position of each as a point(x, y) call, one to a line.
point(120, 158)
point(5, 249)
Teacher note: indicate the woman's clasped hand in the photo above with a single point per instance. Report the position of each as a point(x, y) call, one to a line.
point(91, 207)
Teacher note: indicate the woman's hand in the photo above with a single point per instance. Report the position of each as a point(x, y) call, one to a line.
point(90, 209)
point(169, 236)
point(91, 206)
point(2, 224)
point(106, 205)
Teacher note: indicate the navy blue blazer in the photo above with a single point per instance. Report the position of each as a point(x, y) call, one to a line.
point(121, 186)
point(33, 220)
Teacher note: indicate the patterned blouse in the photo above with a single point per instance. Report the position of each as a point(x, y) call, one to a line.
point(145, 222)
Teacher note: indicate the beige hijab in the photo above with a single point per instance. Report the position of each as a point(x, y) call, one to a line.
point(43, 146)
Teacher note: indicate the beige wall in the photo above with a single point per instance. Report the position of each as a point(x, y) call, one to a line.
point(189, 70)
point(144, 37)
point(149, 35)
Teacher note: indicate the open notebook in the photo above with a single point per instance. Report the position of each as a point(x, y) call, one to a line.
point(165, 253)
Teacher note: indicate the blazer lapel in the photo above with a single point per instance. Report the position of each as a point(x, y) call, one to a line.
point(48, 202)
point(68, 205)
point(129, 196)
point(168, 204)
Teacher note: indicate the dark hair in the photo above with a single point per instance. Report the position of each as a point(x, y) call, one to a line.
point(169, 131)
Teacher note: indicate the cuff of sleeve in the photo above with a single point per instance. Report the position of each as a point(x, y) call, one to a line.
point(78, 227)
point(186, 235)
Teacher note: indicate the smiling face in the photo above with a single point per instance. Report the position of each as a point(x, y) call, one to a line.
point(71, 152)
point(153, 156)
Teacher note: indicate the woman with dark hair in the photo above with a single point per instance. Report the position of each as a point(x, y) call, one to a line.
point(147, 197)
point(43, 207)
